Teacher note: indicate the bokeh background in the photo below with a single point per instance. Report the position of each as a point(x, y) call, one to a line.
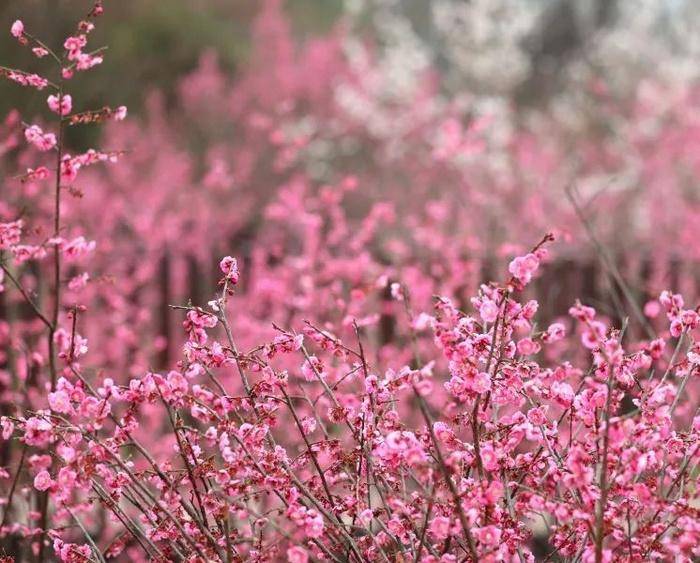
point(533, 52)
point(328, 142)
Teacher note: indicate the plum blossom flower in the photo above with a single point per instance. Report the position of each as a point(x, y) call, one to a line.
point(523, 267)
point(401, 447)
point(17, 29)
point(488, 535)
point(73, 45)
point(366, 516)
point(440, 527)
point(312, 369)
point(86, 62)
point(37, 431)
point(39, 173)
point(397, 292)
point(62, 105)
point(43, 481)
point(423, 321)
point(582, 312)
point(66, 478)
point(593, 334)
point(489, 457)
point(288, 343)
point(59, 401)
point(563, 393)
point(77, 247)
point(42, 141)
point(308, 424)
point(554, 333)
point(313, 524)
point(229, 266)
point(69, 169)
point(8, 427)
point(537, 416)
point(67, 453)
point(652, 308)
point(296, 554)
point(25, 78)
point(10, 233)
point(527, 347)
point(24, 252)
point(488, 311)
point(78, 282)
point(71, 552)
point(481, 382)
point(442, 431)
point(671, 301)
point(71, 345)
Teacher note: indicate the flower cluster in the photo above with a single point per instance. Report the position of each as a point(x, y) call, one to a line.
point(321, 408)
point(266, 460)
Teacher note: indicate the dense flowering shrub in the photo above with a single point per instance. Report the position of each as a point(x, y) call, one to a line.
point(350, 391)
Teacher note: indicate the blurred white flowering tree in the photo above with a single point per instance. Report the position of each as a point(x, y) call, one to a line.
point(533, 50)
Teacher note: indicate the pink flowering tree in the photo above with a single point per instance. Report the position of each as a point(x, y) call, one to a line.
point(347, 388)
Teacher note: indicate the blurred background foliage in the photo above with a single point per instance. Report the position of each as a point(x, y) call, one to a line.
point(524, 50)
point(531, 54)
point(412, 93)
point(151, 43)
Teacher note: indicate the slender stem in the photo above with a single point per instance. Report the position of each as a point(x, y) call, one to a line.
point(124, 519)
point(609, 264)
point(46, 47)
point(11, 494)
point(26, 296)
point(448, 478)
point(309, 448)
point(44, 499)
point(57, 251)
point(603, 478)
point(424, 528)
point(681, 389)
point(87, 535)
point(183, 454)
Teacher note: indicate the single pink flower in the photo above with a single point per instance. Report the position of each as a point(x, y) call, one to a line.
point(527, 347)
point(523, 267)
point(440, 527)
point(74, 46)
point(229, 266)
point(297, 554)
point(8, 427)
point(120, 113)
point(43, 481)
point(17, 29)
point(59, 401)
point(488, 311)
